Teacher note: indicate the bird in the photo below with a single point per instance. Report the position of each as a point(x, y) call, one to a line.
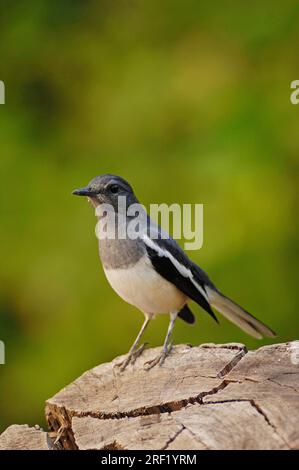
point(151, 271)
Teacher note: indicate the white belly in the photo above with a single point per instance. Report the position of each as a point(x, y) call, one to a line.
point(142, 287)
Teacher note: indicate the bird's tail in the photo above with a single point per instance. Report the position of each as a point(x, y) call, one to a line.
point(237, 314)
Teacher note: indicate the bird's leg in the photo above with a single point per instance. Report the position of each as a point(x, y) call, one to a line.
point(167, 345)
point(134, 352)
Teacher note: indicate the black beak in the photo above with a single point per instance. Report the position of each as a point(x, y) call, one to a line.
point(84, 192)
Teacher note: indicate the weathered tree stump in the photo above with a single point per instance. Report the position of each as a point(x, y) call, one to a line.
point(205, 397)
point(23, 437)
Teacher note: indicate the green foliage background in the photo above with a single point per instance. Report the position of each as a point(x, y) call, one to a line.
point(190, 101)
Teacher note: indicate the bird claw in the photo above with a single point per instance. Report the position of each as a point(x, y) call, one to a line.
point(159, 359)
point(132, 357)
point(138, 353)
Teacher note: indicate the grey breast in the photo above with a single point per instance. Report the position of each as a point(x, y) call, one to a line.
point(120, 254)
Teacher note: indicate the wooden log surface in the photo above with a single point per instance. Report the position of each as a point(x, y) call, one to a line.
point(23, 437)
point(205, 397)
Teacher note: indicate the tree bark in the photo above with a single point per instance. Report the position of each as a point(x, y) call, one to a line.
point(205, 397)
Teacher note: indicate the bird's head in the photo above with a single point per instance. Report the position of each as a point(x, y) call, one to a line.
point(107, 189)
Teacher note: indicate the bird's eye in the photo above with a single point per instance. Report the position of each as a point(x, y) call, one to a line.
point(113, 189)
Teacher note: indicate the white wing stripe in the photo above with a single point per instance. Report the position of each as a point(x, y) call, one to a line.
point(185, 272)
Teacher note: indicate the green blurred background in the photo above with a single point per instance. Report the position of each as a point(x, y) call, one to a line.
point(189, 101)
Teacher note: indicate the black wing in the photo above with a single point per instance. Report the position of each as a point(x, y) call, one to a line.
point(170, 261)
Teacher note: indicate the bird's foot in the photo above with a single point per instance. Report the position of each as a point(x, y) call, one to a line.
point(132, 357)
point(160, 358)
point(138, 353)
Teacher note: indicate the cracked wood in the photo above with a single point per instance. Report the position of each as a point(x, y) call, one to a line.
point(23, 437)
point(205, 397)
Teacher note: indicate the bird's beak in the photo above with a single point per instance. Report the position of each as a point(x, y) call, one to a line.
point(84, 192)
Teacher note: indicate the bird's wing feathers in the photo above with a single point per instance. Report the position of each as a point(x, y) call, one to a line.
point(186, 315)
point(170, 261)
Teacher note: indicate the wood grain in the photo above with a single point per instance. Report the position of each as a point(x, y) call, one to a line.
point(206, 397)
